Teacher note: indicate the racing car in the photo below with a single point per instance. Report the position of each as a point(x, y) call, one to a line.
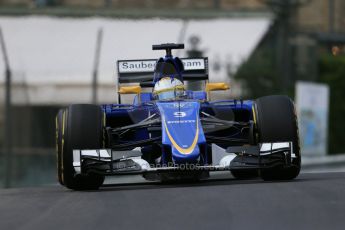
point(171, 133)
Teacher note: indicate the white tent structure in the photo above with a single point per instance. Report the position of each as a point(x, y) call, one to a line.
point(52, 58)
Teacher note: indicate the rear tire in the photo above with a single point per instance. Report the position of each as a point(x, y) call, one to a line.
point(59, 125)
point(277, 122)
point(78, 127)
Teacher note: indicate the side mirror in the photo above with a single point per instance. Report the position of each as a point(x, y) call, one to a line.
point(130, 90)
point(216, 86)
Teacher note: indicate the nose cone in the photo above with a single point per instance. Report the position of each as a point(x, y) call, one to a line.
point(179, 158)
point(181, 129)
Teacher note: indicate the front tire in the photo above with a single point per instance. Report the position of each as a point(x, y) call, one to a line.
point(277, 122)
point(78, 127)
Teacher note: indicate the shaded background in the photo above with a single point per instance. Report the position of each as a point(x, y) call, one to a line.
point(260, 47)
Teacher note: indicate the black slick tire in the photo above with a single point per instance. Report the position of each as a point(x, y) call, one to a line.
point(79, 126)
point(277, 122)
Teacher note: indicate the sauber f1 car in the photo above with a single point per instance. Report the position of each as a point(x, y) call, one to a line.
point(172, 133)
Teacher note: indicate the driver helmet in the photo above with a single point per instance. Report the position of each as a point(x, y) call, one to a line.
point(168, 88)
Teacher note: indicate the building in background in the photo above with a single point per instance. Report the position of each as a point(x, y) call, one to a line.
point(151, 4)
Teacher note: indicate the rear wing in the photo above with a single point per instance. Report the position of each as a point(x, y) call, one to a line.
point(137, 71)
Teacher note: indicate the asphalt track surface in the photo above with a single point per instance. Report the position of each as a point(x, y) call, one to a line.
point(313, 201)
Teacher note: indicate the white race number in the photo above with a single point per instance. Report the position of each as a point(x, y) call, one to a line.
point(179, 114)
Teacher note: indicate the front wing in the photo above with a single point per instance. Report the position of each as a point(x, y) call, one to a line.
point(110, 162)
